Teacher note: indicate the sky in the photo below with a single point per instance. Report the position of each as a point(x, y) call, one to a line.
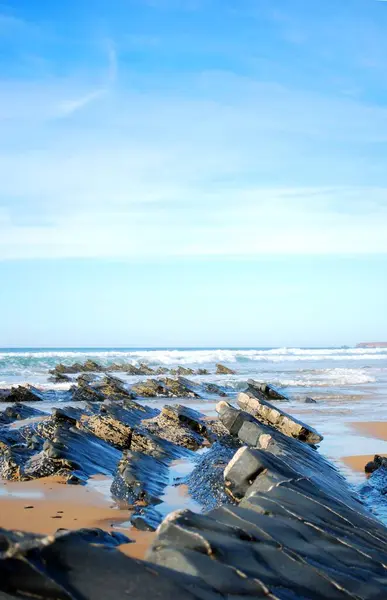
point(193, 172)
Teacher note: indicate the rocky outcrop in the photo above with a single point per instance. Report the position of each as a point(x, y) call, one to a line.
point(283, 523)
point(21, 394)
point(19, 412)
point(222, 370)
point(167, 387)
point(375, 464)
point(265, 391)
point(252, 402)
point(296, 531)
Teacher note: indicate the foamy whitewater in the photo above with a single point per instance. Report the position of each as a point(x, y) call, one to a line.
point(291, 368)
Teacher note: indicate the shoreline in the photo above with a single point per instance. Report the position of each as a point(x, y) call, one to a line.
point(43, 506)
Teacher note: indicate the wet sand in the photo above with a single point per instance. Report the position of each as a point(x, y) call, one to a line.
point(374, 429)
point(45, 505)
point(357, 463)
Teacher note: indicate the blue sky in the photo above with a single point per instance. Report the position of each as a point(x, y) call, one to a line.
point(193, 172)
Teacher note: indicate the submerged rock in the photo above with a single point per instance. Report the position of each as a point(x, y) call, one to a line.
point(222, 370)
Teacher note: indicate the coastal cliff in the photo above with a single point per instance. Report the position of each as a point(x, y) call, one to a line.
point(372, 345)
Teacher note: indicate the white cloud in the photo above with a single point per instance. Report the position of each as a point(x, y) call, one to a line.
point(227, 167)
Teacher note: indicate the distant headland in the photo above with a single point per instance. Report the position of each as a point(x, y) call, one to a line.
point(372, 345)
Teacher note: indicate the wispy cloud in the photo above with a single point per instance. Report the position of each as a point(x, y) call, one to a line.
point(68, 107)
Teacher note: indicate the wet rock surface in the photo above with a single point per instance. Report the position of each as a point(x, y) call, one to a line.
point(297, 531)
point(252, 402)
point(21, 394)
point(282, 523)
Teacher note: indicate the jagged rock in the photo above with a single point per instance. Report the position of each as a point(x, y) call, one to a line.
point(182, 371)
point(86, 393)
point(86, 378)
point(168, 387)
point(182, 435)
point(162, 371)
point(59, 378)
point(67, 369)
point(202, 372)
point(55, 445)
point(21, 394)
point(180, 388)
point(379, 461)
point(183, 414)
point(253, 403)
point(110, 385)
point(85, 564)
point(298, 532)
point(309, 400)
point(212, 388)
point(92, 366)
point(265, 391)
point(127, 411)
point(274, 442)
point(108, 429)
point(149, 388)
point(18, 412)
point(145, 369)
point(222, 370)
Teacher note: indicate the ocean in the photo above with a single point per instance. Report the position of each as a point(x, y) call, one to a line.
point(348, 384)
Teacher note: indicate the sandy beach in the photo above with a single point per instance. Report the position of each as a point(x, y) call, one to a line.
point(45, 505)
point(376, 430)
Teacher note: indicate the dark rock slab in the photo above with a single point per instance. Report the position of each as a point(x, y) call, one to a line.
point(266, 391)
point(86, 393)
point(215, 390)
point(18, 412)
point(183, 415)
point(84, 565)
point(375, 464)
point(295, 536)
point(113, 386)
point(127, 411)
point(107, 428)
point(21, 394)
point(182, 371)
point(150, 388)
point(297, 455)
point(58, 377)
point(183, 427)
point(57, 446)
point(252, 402)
